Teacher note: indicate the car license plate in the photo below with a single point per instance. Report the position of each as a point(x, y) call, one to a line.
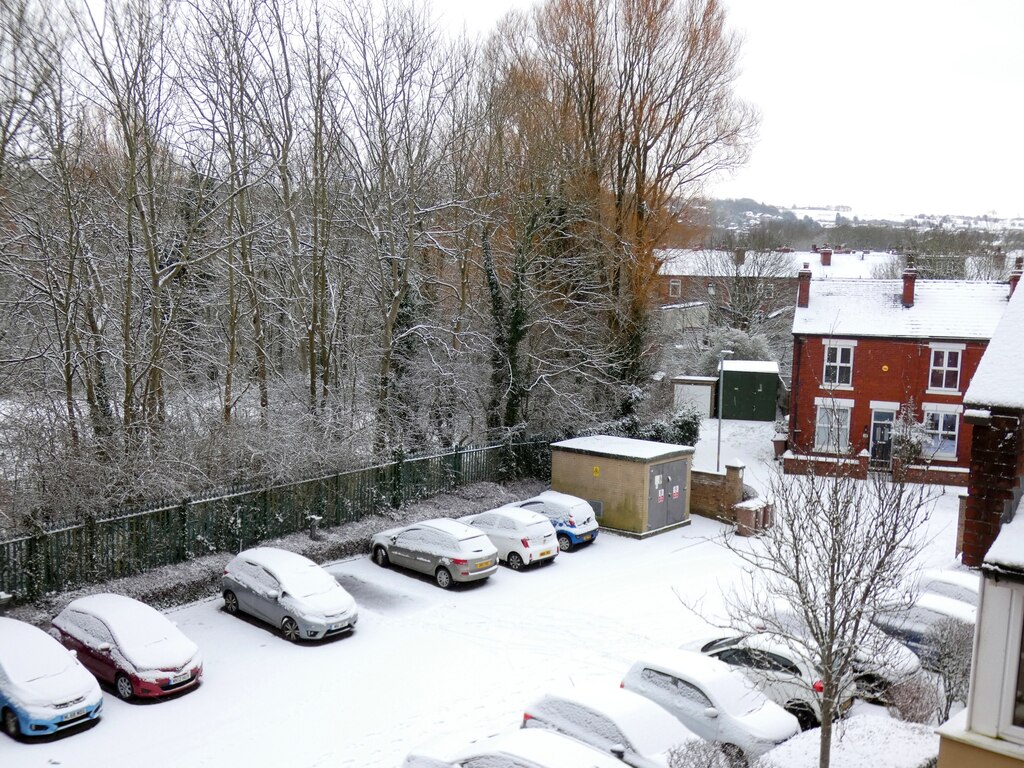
point(175, 679)
point(545, 553)
point(588, 536)
point(339, 625)
point(72, 715)
point(484, 564)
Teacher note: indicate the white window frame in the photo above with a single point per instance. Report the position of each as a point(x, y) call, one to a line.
point(675, 288)
point(833, 441)
point(1011, 669)
point(942, 411)
point(839, 345)
point(944, 349)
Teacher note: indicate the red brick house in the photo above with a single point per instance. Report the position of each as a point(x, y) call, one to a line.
point(864, 349)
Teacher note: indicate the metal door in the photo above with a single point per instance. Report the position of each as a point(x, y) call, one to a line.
point(666, 502)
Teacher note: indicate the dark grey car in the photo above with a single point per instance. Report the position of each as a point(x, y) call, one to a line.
point(446, 549)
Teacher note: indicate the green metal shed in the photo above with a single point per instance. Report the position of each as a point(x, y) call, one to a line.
point(750, 390)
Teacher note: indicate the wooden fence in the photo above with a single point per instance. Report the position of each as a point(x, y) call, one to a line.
point(127, 544)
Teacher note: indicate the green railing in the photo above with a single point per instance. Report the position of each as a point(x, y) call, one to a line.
point(127, 544)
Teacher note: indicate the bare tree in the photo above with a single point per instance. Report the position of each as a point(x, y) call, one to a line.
point(839, 551)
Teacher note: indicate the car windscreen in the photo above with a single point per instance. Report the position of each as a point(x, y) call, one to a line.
point(308, 581)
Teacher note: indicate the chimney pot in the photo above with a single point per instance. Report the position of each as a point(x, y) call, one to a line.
point(803, 289)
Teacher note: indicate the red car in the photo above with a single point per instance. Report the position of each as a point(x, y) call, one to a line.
point(129, 645)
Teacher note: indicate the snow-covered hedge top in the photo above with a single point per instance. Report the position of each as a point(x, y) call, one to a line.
point(621, 447)
point(859, 741)
point(999, 380)
point(943, 309)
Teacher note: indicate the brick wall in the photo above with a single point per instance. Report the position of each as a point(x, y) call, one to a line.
point(891, 370)
point(997, 466)
point(713, 494)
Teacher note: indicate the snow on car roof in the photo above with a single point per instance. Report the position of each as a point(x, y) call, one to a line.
point(947, 606)
point(557, 496)
point(544, 747)
point(520, 515)
point(622, 447)
point(649, 728)
point(732, 689)
point(27, 653)
point(140, 629)
point(943, 309)
point(279, 561)
point(453, 527)
point(965, 579)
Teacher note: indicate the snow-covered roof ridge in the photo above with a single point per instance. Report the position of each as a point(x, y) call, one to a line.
point(942, 309)
point(713, 263)
point(999, 380)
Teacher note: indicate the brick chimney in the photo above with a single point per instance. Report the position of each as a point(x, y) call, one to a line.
point(803, 289)
point(909, 278)
point(1018, 267)
point(826, 257)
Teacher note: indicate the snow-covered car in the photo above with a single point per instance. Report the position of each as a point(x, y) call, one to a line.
point(959, 585)
point(288, 591)
point(520, 748)
point(43, 687)
point(521, 537)
point(782, 670)
point(613, 721)
point(573, 518)
point(715, 701)
point(446, 549)
point(921, 625)
point(130, 645)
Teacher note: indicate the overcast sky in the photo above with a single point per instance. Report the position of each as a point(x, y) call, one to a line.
point(888, 106)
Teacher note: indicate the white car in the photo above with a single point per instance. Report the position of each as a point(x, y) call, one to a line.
point(520, 748)
point(521, 537)
point(43, 687)
point(782, 670)
point(573, 518)
point(959, 585)
point(715, 701)
point(921, 625)
point(288, 591)
point(613, 721)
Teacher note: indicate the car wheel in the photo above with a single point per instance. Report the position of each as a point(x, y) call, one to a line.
point(123, 686)
point(564, 542)
point(803, 714)
point(380, 557)
point(230, 602)
point(443, 578)
point(734, 756)
point(11, 725)
point(515, 562)
point(290, 629)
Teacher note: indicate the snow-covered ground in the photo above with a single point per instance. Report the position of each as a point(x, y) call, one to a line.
point(424, 662)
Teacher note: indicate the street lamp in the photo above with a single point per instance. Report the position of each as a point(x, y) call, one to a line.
point(721, 379)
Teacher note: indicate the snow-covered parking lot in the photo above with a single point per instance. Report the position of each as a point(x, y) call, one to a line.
point(424, 662)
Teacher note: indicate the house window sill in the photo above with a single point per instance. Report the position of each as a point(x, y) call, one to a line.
point(944, 392)
point(837, 388)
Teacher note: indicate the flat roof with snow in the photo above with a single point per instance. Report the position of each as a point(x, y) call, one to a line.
point(751, 366)
point(623, 447)
point(943, 309)
point(1007, 552)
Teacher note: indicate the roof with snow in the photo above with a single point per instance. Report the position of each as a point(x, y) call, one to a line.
point(622, 447)
point(701, 263)
point(943, 309)
point(999, 380)
point(1006, 555)
point(751, 366)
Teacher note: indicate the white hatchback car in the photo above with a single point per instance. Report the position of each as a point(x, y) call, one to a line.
point(612, 720)
point(574, 519)
point(520, 748)
point(715, 701)
point(521, 537)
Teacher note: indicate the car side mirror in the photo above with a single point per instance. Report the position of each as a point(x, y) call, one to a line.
point(711, 713)
point(394, 539)
point(104, 647)
point(618, 750)
point(273, 594)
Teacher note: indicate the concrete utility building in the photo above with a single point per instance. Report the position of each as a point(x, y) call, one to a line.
point(635, 486)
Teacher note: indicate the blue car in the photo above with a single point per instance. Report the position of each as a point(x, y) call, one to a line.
point(43, 687)
point(573, 517)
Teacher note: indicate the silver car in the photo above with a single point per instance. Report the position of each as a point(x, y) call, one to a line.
point(446, 549)
point(288, 591)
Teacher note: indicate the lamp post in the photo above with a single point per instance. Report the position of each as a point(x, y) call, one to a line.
point(721, 379)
